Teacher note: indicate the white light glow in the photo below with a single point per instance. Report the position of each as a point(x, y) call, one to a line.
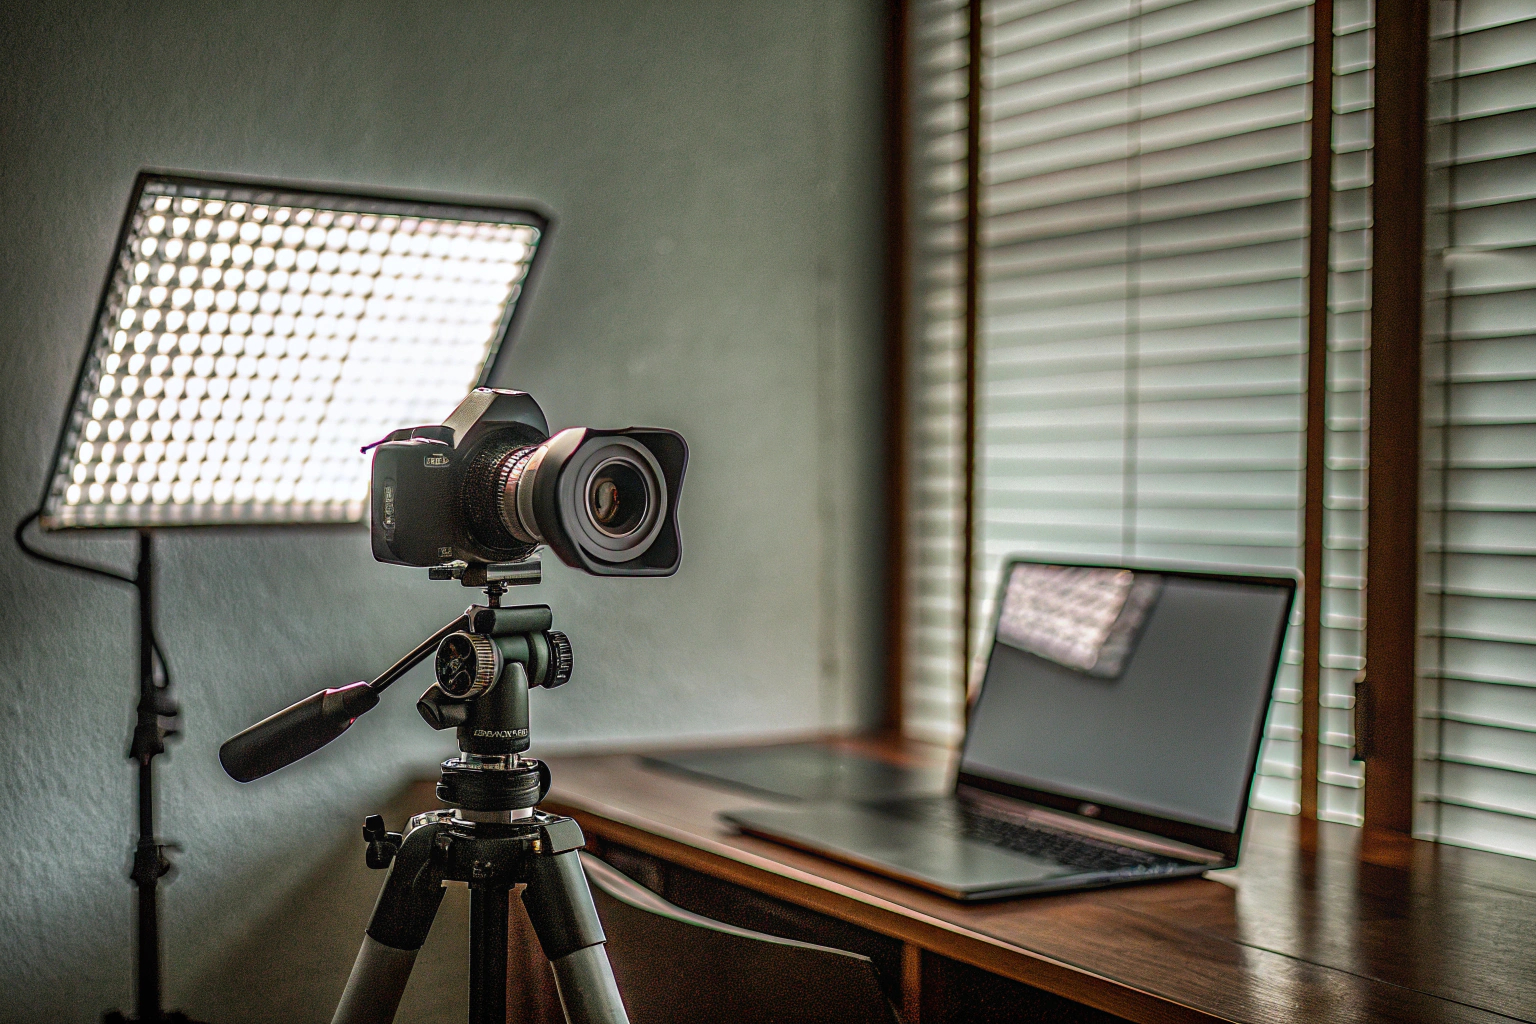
point(247, 351)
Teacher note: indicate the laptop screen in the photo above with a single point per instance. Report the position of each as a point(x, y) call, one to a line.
point(1139, 690)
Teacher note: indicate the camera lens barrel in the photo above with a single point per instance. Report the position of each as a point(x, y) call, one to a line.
point(514, 488)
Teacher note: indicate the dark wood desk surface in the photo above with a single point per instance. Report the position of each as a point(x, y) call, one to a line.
point(1311, 927)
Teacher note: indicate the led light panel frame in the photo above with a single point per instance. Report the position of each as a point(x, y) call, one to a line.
point(251, 338)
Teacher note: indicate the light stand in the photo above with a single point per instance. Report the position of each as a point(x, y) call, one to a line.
point(249, 338)
point(152, 727)
point(150, 864)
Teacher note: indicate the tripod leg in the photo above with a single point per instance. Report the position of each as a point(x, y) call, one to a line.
point(376, 984)
point(560, 908)
point(401, 919)
point(588, 994)
point(488, 954)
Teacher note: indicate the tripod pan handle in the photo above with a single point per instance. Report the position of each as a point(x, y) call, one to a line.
point(295, 731)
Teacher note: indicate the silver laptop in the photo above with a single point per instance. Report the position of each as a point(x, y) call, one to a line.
point(1113, 740)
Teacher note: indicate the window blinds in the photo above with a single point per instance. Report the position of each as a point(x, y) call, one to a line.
point(1342, 654)
point(1477, 781)
point(1143, 322)
point(938, 56)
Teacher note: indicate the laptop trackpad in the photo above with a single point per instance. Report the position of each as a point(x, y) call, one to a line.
point(894, 846)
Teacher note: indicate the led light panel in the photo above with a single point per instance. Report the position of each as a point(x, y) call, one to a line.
point(252, 339)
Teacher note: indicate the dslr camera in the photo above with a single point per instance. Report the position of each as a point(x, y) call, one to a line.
point(490, 485)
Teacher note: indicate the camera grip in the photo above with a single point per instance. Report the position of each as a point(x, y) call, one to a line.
point(295, 731)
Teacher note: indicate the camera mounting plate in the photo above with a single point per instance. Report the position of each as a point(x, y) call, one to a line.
point(479, 574)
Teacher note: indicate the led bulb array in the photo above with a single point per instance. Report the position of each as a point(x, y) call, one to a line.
point(247, 349)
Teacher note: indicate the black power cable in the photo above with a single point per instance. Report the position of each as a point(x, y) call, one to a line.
point(98, 571)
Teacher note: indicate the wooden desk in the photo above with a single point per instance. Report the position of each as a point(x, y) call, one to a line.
point(1306, 930)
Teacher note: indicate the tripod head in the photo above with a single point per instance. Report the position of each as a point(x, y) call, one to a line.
point(483, 678)
point(487, 660)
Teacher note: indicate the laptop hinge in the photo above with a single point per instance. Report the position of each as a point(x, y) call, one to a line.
point(1022, 812)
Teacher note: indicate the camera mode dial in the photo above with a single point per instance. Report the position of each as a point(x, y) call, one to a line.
point(467, 665)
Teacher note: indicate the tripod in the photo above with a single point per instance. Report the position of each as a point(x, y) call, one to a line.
point(493, 838)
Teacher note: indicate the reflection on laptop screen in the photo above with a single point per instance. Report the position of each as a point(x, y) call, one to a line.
point(1141, 690)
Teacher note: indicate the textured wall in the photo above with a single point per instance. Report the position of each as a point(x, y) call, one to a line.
point(715, 172)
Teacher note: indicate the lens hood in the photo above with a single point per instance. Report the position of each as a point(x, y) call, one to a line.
point(566, 491)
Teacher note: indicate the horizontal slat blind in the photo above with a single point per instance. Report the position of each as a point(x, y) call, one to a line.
point(1478, 737)
point(1143, 293)
point(938, 59)
point(1340, 777)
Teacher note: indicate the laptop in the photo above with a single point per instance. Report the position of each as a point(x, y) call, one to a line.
point(1113, 739)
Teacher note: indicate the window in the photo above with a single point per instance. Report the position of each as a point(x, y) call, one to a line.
point(1142, 322)
point(1477, 779)
point(1111, 287)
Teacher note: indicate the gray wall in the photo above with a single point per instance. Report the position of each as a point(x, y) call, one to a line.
point(716, 267)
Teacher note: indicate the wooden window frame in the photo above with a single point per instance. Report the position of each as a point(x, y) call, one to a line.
point(1396, 387)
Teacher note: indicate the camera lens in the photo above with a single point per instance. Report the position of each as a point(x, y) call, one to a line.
point(617, 497)
point(615, 500)
point(602, 494)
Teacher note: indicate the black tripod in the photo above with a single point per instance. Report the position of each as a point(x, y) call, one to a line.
point(493, 838)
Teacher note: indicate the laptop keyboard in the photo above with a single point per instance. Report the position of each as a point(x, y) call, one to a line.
point(955, 819)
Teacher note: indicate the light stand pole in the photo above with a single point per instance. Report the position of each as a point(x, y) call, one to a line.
point(150, 731)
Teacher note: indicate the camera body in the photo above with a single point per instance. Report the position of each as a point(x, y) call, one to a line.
point(490, 485)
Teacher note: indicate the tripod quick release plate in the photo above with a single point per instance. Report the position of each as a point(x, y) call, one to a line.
point(478, 574)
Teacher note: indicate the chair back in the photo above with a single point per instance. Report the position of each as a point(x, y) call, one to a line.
point(676, 967)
